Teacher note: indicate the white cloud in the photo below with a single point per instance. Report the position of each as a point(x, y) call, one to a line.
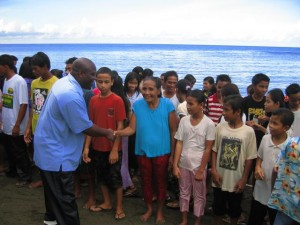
point(200, 22)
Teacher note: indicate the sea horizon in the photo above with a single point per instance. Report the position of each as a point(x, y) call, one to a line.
point(281, 64)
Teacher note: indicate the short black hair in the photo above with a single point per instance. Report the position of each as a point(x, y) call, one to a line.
point(138, 70)
point(260, 77)
point(147, 73)
point(40, 59)
point(230, 89)
point(292, 89)
point(209, 79)
point(198, 95)
point(223, 78)
point(184, 86)
point(70, 60)
point(235, 101)
point(171, 73)
point(7, 60)
point(286, 116)
point(190, 78)
point(105, 70)
point(56, 72)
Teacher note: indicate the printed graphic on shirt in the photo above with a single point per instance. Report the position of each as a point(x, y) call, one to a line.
point(39, 98)
point(230, 152)
point(7, 101)
point(255, 112)
point(110, 112)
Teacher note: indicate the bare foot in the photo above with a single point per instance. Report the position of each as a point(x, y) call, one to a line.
point(77, 194)
point(183, 223)
point(146, 216)
point(160, 219)
point(89, 204)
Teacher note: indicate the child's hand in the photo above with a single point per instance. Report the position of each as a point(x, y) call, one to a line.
point(199, 176)
point(85, 156)
point(217, 178)
point(240, 186)
point(259, 173)
point(27, 136)
point(176, 172)
point(113, 157)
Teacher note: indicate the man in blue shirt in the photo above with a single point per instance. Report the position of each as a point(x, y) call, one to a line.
point(59, 139)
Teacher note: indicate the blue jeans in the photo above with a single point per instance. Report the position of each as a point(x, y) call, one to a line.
point(283, 219)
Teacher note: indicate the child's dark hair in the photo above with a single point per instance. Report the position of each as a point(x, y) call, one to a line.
point(7, 60)
point(56, 72)
point(157, 82)
point(292, 89)
point(190, 78)
point(184, 86)
point(260, 77)
point(118, 88)
point(138, 70)
point(147, 73)
point(198, 95)
point(40, 59)
point(26, 70)
point(129, 77)
point(209, 79)
point(286, 116)
point(103, 70)
point(250, 89)
point(70, 60)
point(277, 96)
point(230, 89)
point(236, 103)
point(223, 78)
point(170, 73)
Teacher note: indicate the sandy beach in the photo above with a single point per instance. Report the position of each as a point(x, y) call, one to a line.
point(26, 206)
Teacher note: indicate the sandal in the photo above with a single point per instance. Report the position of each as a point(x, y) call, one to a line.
point(98, 208)
point(131, 192)
point(119, 216)
point(173, 204)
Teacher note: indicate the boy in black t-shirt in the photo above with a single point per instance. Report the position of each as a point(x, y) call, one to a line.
point(254, 104)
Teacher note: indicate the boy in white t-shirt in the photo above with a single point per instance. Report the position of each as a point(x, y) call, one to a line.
point(270, 146)
point(232, 156)
point(15, 117)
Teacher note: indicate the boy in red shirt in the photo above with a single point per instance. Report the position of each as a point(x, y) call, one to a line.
point(107, 110)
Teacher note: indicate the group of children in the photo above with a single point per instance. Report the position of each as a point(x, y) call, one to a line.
point(217, 129)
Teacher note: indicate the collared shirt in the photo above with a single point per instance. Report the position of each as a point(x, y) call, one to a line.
point(268, 152)
point(58, 139)
point(286, 193)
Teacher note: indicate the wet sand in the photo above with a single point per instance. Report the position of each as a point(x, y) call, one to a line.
point(26, 206)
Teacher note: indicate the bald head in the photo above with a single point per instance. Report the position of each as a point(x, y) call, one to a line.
point(84, 71)
point(82, 65)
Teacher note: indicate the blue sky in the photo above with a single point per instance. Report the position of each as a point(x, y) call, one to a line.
point(228, 22)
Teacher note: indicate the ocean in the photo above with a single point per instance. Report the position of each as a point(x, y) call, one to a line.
point(281, 64)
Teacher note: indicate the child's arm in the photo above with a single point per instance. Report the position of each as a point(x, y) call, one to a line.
point(130, 130)
point(240, 185)
point(205, 159)
point(259, 173)
point(178, 150)
point(86, 149)
point(28, 131)
point(20, 117)
point(114, 156)
point(173, 124)
point(217, 178)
